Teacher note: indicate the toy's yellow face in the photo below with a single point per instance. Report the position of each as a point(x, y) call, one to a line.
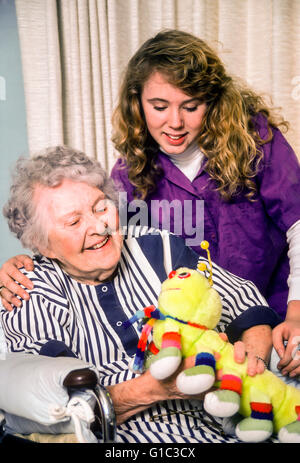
point(183, 294)
point(185, 280)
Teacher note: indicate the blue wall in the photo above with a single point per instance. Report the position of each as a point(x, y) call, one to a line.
point(13, 134)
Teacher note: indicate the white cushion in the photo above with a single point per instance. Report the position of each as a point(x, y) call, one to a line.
point(31, 387)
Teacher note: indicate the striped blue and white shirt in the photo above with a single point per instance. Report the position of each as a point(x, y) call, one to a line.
point(88, 320)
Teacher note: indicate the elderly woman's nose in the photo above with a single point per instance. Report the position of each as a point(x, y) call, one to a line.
point(97, 224)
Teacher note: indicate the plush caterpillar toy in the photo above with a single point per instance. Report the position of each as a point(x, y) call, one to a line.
point(182, 325)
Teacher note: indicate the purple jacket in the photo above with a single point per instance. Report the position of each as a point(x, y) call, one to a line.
point(246, 238)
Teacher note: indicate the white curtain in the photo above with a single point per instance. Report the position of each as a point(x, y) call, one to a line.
point(74, 53)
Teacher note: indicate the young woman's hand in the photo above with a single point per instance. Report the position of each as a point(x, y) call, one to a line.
point(286, 340)
point(11, 280)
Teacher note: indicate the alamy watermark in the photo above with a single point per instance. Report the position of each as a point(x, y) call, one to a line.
point(296, 351)
point(2, 89)
point(296, 88)
point(183, 218)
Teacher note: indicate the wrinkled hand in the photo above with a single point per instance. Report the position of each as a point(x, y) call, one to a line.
point(257, 342)
point(11, 278)
point(143, 391)
point(255, 365)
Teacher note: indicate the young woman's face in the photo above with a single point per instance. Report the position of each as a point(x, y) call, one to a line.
point(173, 118)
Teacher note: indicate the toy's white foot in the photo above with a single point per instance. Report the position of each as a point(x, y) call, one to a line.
point(194, 383)
point(230, 422)
point(254, 430)
point(290, 433)
point(165, 363)
point(222, 403)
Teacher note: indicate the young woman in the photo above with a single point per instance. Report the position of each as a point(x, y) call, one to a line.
point(189, 132)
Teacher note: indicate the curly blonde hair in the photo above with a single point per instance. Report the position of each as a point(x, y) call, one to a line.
point(228, 137)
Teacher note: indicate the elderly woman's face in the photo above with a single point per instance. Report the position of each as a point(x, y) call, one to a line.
point(83, 230)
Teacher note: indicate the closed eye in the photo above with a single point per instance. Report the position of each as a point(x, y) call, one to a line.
point(101, 209)
point(191, 109)
point(73, 223)
point(101, 206)
point(160, 108)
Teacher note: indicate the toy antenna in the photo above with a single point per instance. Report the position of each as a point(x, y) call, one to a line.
point(201, 266)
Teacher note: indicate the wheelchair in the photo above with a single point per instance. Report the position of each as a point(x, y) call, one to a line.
point(52, 400)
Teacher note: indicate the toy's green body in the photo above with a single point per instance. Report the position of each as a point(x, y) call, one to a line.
point(189, 309)
point(283, 397)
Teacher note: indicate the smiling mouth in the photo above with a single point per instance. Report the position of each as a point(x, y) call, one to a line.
point(172, 289)
point(176, 137)
point(99, 245)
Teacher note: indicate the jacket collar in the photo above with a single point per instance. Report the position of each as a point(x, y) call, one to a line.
point(174, 175)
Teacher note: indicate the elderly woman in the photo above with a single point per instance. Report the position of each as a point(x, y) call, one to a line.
point(89, 278)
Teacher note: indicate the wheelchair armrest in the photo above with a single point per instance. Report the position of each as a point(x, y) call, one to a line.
point(83, 377)
point(31, 384)
point(104, 410)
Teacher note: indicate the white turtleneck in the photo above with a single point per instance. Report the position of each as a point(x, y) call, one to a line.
point(189, 162)
point(293, 239)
